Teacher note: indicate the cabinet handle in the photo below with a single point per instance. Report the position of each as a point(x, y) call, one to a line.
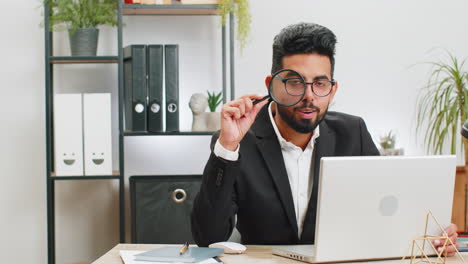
point(179, 195)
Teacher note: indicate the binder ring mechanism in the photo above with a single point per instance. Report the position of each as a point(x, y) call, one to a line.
point(179, 196)
point(172, 108)
point(155, 107)
point(139, 108)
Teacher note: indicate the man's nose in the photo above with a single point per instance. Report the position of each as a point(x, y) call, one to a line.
point(309, 95)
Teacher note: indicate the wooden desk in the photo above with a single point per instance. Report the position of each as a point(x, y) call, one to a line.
point(253, 255)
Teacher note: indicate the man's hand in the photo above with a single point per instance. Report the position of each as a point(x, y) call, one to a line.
point(450, 249)
point(236, 118)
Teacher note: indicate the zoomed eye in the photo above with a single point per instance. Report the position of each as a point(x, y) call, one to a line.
point(294, 81)
point(320, 83)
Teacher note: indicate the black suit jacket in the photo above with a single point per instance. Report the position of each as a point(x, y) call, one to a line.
point(256, 186)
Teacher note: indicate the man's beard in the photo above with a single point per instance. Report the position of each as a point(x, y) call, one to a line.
point(304, 126)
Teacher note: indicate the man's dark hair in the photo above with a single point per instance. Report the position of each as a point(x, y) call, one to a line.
point(303, 38)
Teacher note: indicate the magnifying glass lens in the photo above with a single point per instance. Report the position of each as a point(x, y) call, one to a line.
point(287, 87)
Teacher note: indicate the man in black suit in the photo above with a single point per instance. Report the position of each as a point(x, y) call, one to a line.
point(264, 164)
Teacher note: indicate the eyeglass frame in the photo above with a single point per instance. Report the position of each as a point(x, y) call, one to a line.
point(283, 80)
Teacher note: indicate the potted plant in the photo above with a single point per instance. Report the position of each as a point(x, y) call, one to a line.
point(213, 117)
point(81, 18)
point(443, 105)
point(388, 140)
point(241, 10)
point(387, 145)
point(214, 100)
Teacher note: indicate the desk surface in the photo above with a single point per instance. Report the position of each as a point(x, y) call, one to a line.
point(254, 254)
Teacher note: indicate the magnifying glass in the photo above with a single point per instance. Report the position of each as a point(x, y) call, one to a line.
point(287, 87)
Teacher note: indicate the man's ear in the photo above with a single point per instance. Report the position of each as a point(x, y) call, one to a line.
point(267, 81)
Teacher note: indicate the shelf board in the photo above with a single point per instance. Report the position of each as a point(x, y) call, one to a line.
point(176, 9)
point(86, 178)
point(178, 133)
point(115, 175)
point(83, 59)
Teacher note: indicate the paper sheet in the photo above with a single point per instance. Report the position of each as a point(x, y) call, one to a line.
point(128, 258)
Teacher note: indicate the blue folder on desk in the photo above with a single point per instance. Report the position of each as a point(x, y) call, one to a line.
point(171, 254)
point(463, 242)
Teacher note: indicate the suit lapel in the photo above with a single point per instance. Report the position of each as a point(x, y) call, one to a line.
point(324, 147)
point(269, 147)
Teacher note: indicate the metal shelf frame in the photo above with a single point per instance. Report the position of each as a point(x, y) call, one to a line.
point(51, 60)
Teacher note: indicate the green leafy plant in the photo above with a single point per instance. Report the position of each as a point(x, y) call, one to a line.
point(241, 10)
point(214, 100)
point(443, 105)
point(388, 140)
point(74, 14)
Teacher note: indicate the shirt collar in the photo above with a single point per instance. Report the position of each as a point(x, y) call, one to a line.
point(286, 144)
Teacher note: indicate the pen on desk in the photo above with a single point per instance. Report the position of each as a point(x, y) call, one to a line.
point(184, 248)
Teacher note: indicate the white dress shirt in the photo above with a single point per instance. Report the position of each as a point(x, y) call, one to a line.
point(297, 163)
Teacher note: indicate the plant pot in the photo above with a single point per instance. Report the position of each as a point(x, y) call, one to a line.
point(84, 41)
point(213, 121)
point(392, 152)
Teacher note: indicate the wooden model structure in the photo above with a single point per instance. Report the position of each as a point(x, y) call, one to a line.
point(419, 244)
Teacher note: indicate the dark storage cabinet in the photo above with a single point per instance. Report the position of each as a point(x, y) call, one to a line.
point(161, 207)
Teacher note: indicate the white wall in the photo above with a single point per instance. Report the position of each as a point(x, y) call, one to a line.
point(22, 135)
point(379, 41)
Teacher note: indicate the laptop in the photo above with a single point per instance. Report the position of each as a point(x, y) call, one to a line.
point(371, 208)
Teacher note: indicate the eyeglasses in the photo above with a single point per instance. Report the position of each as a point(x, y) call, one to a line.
point(287, 87)
point(296, 86)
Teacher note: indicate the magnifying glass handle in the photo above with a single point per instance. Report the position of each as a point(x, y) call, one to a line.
point(256, 101)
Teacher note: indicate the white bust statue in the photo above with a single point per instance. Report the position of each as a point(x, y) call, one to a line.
point(198, 104)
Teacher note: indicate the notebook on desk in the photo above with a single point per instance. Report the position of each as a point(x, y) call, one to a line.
point(372, 207)
point(128, 257)
point(172, 254)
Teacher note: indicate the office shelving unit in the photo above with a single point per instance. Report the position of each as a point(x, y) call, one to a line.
point(50, 61)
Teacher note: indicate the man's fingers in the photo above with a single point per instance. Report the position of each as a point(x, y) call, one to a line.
point(244, 106)
point(253, 96)
point(239, 104)
point(451, 229)
point(248, 105)
point(450, 247)
point(231, 112)
point(258, 106)
point(454, 238)
point(441, 242)
point(449, 250)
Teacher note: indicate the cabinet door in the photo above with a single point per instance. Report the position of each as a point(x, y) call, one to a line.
point(161, 207)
